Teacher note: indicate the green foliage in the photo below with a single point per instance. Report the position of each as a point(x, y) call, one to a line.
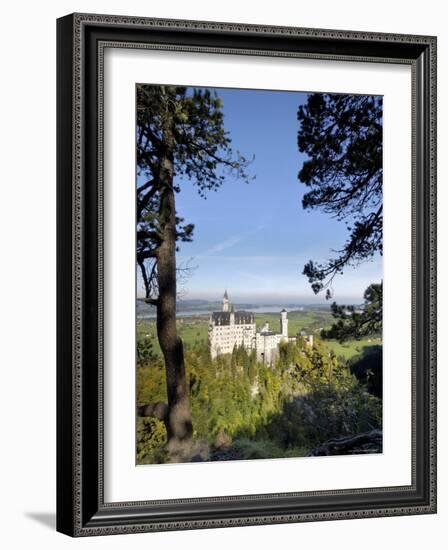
point(187, 124)
point(260, 411)
point(358, 322)
point(368, 369)
point(151, 383)
point(342, 137)
point(326, 412)
point(145, 351)
point(151, 440)
point(201, 143)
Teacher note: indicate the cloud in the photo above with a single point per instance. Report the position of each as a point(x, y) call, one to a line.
point(231, 241)
point(228, 243)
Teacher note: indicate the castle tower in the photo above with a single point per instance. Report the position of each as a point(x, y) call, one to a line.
point(284, 323)
point(232, 315)
point(225, 302)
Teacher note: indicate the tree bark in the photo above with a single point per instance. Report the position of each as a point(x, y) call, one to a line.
point(179, 424)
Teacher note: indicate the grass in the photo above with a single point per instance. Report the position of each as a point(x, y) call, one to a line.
point(308, 321)
point(352, 347)
point(194, 330)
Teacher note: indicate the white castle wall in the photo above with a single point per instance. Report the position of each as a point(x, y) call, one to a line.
point(223, 337)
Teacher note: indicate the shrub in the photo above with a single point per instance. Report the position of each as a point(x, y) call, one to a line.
point(151, 441)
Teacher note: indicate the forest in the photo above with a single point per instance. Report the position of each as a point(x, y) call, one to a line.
point(244, 409)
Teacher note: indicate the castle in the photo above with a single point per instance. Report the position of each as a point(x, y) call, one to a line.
point(229, 328)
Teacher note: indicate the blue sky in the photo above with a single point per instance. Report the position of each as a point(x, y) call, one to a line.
point(254, 238)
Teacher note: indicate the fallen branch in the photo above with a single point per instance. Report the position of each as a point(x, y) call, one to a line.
point(363, 443)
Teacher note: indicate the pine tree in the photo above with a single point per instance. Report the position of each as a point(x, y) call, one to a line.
point(342, 137)
point(180, 138)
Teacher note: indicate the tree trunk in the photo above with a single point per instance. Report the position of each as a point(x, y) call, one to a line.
point(179, 424)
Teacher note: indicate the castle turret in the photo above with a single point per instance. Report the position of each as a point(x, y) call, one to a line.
point(225, 302)
point(232, 315)
point(284, 323)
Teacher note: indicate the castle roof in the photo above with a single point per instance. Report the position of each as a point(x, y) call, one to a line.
point(241, 317)
point(226, 297)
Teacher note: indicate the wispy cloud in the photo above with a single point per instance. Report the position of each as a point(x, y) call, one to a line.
point(231, 241)
point(249, 258)
point(224, 245)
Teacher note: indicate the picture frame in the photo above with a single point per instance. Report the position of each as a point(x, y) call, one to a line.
point(81, 506)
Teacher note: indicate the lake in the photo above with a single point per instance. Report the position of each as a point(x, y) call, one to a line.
point(145, 311)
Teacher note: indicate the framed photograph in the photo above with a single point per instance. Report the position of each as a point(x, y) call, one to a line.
point(246, 274)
